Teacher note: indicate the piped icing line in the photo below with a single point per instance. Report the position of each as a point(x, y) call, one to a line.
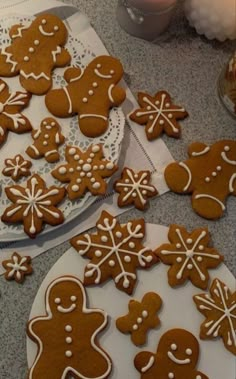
point(42, 75)
point(199, 153)
point(103, 76)
point(17, 119)
point(176, 360)
point(227, 160)
point(231, 182)
point(9, 58)
point(44, 33)
point(85, 115)
point(148, 365)
point(62, 309)
point(55, 53)
point(110, 93)
point(19, 31)
point(68, 98)
point(182, 164)
point(77, 77)
point(69, 369)
point(2, 86)
point(202, 196)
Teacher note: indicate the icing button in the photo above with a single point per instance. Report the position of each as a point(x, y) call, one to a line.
point(31, 49)
point(26, 59)
point(91, 92)
point(68, 353)
point(135, 327)
point(68, 328)
point(214, 173)
point(36, 42)
point(95, 84)
point(207, 179)
point(171, 375)
point(56, 28)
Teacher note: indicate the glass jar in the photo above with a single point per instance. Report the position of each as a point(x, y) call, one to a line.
point(227, 86)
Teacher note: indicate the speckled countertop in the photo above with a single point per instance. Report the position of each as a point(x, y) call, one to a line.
point(187, 66)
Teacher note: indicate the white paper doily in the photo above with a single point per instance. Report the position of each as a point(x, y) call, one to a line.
point(81, 55)
point(178, 311)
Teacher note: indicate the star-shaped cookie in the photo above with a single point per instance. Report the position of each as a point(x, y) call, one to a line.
point(17, 267)
point(158, 114)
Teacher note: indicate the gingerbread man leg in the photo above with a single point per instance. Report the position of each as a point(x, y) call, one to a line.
point(208, 205)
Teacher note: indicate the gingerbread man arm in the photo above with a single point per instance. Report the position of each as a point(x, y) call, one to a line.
point(197, 148)
point(17, 30)
point(61, 56)
point(72, 73)
point(59, 138)
point(144, 361)
point(116, 94)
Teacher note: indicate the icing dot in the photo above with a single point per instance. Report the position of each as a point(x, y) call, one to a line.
point(75, 188)
point(131, 245)
point(157, 102)
point(104, 238)
point(167, 105)
point(89, 175)
point(111, 263)
point(198, 377)
point(199, 259)
point(112, 72)
point(31, 49)
point(178, 245)
point(179, 259)
point(85, 100)
point(26, 59)
point(72, 151)
point(145, 182)
point(45, 143)
point(118, 234)
point(91, 92)
point(99, 65)
point(135, 327)
point(149, 107)
point(87, 167)
point(134, 194)
point(62, 170)
point(71, 169)
point(170, 115)
point(68, 340)
point(226, 148)
point(171, 375)
point(151, 117)
point(144, 192)
point(161, 122)
point(45, 123)
point(68, 328)
point(127, 259)
point(96, 185)
point(44, 21)
point(95, 84)
point(81, 161)
point(101, 167)
point(95, 168)
point(92, 180)
point(56, 28)
point(57, 300)
point(207, 179)
point(201, 247)
point(68, 353)
point(127, 181)
point(92, 155)
point(214, 173)
point(219, 168)
point(89, 160)
point(139, 320)
point(136, 176)
point(46, 136)
point(98, 253)
point(53, 123)
point(76, 157)
point(78, 168)
point(82, 174)
point(109, 166)
point(95, 148)
point(126, 189)
point(73, 298)
point(48, 127)
point(190, 266)
point(188, 351)
point(144, 313)
point(36, 42)
point(173, 346)
point(189, 241)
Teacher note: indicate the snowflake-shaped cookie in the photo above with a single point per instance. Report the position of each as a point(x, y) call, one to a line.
point(34, 205)
point(142, 316)
point(134, 188)
point(189, 256)
point(17, 167)
point(17, 267)
point(84, 171)
point(219, 308)
point(115, 251)
point(11, 105)
point(158, 114)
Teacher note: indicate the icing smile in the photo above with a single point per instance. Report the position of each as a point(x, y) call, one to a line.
point(42, 31)
point(98, 73)
point(66, 310)
point(176, 360)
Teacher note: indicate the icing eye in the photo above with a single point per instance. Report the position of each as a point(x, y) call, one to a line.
point(188, 351)
point(73, 298)
point(44, 21)
point(99, 65)
point(56, 28)
point(57, 300)
point(112, 72)
point(173, 346)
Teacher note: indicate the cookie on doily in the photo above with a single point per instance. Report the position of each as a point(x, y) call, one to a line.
point(67, 335)
point(176, 358)
point(219, 308)
point(189, 256)
point(158, 114)
point(34, 205)
point(115, 251)
point(17, 167)
point(142, 316)
point(134, 188)
point(17, 267)
point(209, 174)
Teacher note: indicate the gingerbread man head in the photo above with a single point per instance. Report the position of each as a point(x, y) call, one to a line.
point(48, 26)
point(176, 357)
point(106, 67)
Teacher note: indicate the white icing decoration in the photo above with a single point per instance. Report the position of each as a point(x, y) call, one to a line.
point(95, 85)
point(68, 353)
point(231, 182)
point(136, 186)
point(200, 196)
point(172, 357)
point(55, 53)
point(16, 167)
point(19, 31)
point(36, 42)
point(199, 153)
point(189, 255)
point(145, 313)
point(75, 188)
point(44, 33)
point(189, 351)
point(62, 170)
point(103, 76)
point(226, 159)
point(68, 328)
point(68, 98)
point(96, 185)
point(62, 309)
point(85, 100)
point(110, 93)
point(182, 164)
point(135, 327)
point(26, 59)
point(149, 364)
point(173, 346)
point(9, 58)
point(17, 266)
point(57, 300)
point(87, 115)
point(69, 340)
point(36, 77)
point(171, 375)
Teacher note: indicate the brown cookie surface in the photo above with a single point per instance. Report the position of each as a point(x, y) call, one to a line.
point(159, 114)
point(17, 167)
point(17, 267)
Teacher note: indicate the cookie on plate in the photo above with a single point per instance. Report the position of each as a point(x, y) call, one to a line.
point(17, 167)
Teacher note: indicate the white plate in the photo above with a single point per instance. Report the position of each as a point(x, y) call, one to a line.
point(178, 311)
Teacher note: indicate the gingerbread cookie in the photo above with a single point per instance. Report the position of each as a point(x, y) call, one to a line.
point(17, 167)
point(34, 52)
point(142, 316)
point(134, 188)
point(47, 140)
point(34, 205)
point(176, 358)
point(84, 171)
point(115, 251)
point(90, 93)
point(209, 174)
point(67, 336)
point(189, 256)
point(11, 104)
point(158, 114)
point(17, 267)
point(219, 308)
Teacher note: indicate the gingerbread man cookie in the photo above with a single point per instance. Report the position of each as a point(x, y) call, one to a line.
point(67, 336)
point(11, 104)
point(209, 174)
point(34, 52)
point(219, 308)
point(176, 358)
point(17, 267)
point(134, 188)
point(47, 140)
point(158, 114)
point(189, 256)
point(17, 167)
point(142, 316)
point(90, 93)
point(34, 205)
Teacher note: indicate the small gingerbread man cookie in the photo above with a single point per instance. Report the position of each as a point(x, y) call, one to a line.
point(142, 316)
point(158, 114)
point(209, 174)
point(17, 167)
point(90, 93)
point(176, 358)
point(34, 52)
point(47, 140)
point(67, 336)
